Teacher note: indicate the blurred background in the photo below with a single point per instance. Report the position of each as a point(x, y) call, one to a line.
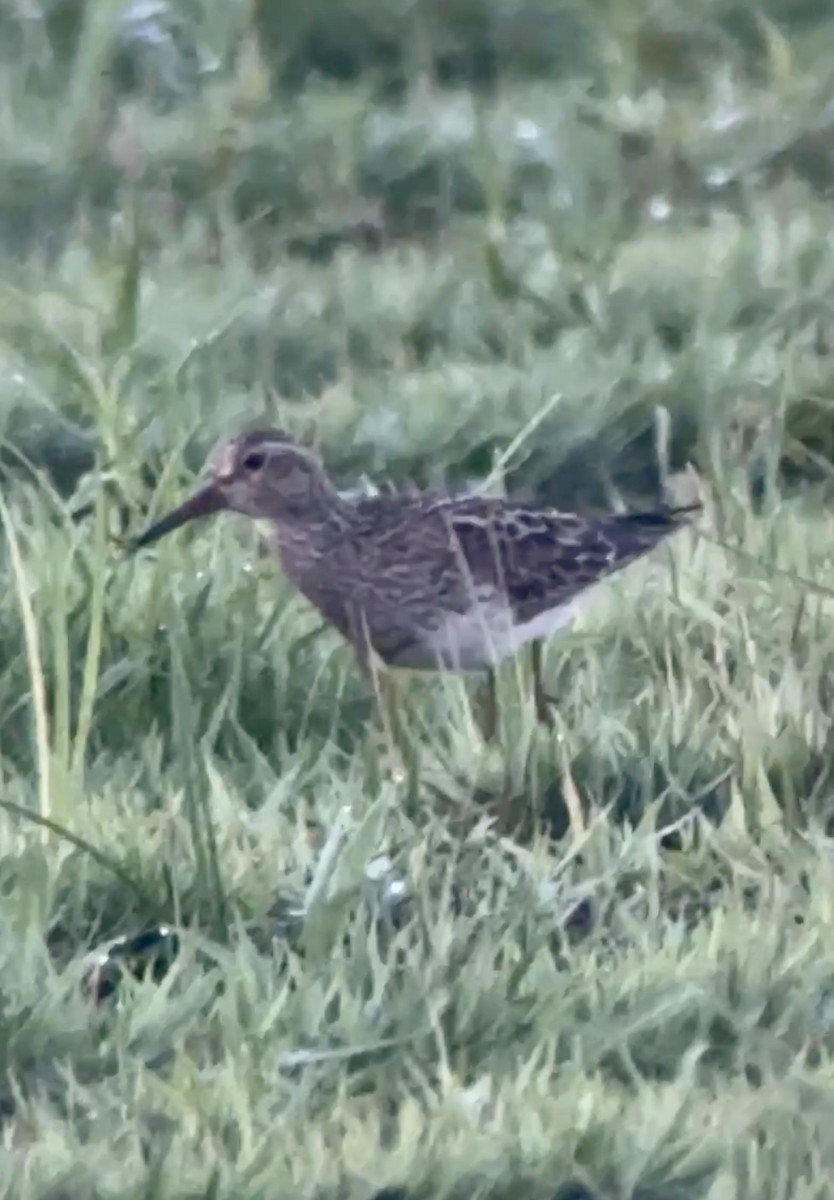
point(412, 225)
point(572, 245)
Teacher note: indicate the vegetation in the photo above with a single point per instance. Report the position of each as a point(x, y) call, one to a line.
point(565, 248)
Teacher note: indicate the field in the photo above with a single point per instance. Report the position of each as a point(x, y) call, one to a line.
point(561, 250)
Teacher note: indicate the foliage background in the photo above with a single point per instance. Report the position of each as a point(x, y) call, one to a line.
point(571, 245)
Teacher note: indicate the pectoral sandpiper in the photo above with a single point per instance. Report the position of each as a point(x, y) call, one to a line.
point(422, 581)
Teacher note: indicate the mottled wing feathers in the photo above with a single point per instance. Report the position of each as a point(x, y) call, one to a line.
point(408, 566)
point(541, 558)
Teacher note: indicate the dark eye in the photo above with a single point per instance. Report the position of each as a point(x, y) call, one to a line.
point(254, 460)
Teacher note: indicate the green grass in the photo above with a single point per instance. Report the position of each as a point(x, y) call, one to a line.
point(559, 247)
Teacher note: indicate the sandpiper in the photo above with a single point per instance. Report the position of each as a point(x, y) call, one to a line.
point(422, 580)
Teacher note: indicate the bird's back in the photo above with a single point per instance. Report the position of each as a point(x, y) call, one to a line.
point(419, 571)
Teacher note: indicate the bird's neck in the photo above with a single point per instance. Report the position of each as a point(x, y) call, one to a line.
point(321, 505)
point(302, 541)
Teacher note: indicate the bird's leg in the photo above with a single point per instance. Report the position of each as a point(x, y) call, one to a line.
point(489, 718)
point(399, 750)
point(369, 665)
point(385, 691)
point(544, 703)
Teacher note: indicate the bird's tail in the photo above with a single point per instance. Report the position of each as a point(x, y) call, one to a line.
point(684, 510)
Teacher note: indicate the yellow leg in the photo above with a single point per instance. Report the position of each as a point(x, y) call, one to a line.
point(380, 680)
point(387, 696)
point(385, 690)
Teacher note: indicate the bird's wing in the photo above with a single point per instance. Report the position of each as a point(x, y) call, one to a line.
point(541, 558)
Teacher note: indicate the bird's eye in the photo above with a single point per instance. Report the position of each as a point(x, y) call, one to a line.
point(255, 460)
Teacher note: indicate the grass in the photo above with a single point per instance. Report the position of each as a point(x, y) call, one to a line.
point(555, 248)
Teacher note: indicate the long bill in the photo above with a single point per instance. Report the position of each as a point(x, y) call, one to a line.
point(205, 503)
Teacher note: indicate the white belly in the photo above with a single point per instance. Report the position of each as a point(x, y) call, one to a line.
point(486, 635)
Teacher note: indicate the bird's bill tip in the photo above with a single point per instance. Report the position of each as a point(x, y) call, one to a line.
point(205, 503)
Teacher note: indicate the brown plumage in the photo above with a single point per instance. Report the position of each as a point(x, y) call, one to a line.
point(423, 580)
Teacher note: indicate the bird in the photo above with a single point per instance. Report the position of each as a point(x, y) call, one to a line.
point(421, 580)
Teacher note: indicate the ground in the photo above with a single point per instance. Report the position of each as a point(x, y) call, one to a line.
point(561, 250)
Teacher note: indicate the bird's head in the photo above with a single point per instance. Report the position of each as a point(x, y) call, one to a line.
point(263, 474)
